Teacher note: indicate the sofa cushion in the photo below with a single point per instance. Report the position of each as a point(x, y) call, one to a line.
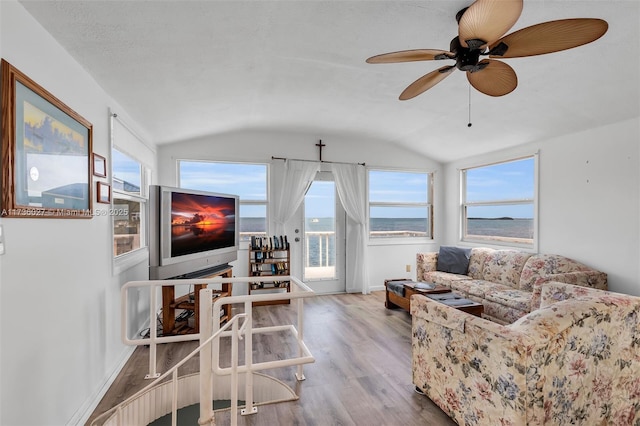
point(443, 278)
point(476, 261)
point(517, 299)
point(477, 288)
point(453, 259)
point(501, 314)
point(505, 267)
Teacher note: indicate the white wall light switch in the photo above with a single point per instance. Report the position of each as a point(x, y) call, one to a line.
point(1, 240)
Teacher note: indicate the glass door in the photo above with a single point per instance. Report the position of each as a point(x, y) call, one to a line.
point(324, 242)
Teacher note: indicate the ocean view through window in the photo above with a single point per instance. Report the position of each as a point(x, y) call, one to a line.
point(399, 204)
point(129, 203)
point(247, 180)
point(499, 202)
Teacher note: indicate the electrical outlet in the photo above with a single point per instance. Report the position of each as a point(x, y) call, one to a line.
point(408, 268)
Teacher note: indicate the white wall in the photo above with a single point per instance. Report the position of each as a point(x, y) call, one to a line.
point(589, 199)
point(59, 303)
point(386, 261)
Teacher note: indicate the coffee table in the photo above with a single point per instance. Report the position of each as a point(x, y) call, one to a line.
point(438, 293)
point(408, 289)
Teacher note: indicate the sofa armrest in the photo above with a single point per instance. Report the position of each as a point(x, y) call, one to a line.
point(593, 340)
point(588, 279)
point(425, 262)
point(554, 292)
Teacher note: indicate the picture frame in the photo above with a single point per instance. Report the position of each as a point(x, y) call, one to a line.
point(104, 192)
point(46, 152)
point(99, 165)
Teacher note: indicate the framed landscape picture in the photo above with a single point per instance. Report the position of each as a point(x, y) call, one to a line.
point(46, 152)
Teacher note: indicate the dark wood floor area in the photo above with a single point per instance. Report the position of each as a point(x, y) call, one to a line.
point(362, 373)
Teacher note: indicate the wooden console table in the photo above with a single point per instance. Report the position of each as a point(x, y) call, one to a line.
point(191, 302)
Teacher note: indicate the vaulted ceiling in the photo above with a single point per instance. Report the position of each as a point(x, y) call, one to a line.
point(185, 69)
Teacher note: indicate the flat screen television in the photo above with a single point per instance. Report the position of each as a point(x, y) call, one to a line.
point(191, 232)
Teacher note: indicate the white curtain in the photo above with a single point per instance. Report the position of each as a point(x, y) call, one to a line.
point(350, 183)
point(296, 179)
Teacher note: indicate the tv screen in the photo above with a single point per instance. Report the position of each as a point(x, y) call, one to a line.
point(201, 223)
point(191, 232)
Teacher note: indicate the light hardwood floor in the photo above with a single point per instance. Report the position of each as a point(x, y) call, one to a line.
point(361, 376)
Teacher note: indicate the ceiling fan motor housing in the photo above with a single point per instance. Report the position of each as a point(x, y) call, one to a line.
point(466, 59)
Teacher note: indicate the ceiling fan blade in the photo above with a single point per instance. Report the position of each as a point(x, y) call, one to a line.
point(496, 79)
point(548, 37)
point(485, 21)
point(426, 82)
point(411, 56)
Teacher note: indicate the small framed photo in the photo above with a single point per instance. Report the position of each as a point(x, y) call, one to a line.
point(99, 165)
point(104, 193)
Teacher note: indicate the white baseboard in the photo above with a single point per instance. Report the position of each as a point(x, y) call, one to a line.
point(81, 416)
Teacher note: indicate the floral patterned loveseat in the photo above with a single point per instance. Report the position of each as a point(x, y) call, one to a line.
point(575, 360)
point(507, 282)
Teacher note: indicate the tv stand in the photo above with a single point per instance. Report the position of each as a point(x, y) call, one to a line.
point(191, 301)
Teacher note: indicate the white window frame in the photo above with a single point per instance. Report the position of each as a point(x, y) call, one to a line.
point(496, 241)
point(127, 260)
point(242, 202)
point(408, 240)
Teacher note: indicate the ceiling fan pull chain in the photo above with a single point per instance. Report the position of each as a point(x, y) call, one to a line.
point(469, 124)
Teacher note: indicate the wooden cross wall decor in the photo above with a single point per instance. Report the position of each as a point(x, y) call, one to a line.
point(320, 145)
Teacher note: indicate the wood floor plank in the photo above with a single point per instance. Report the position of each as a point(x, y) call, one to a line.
point(361, 376)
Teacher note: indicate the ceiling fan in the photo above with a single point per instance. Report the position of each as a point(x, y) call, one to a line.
point(481, 27)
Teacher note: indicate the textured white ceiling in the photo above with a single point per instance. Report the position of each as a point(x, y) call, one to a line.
point(185, 69)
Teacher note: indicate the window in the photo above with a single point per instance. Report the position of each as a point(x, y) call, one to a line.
point(129, 203)
point(498, 203)
point(248, 181)
point(399, 204)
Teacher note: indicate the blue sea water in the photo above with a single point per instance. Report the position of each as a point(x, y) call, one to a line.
point(510, 228)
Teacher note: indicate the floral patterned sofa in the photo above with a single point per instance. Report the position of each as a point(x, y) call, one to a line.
point(506, 282)
point(575, 360)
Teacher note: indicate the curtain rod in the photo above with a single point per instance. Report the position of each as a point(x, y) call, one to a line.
point(315, 161)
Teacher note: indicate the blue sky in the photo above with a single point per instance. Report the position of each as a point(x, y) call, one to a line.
point(245, 180)
point(320, 200)
point(125, 168)
point(512, 180)
point(504, 181)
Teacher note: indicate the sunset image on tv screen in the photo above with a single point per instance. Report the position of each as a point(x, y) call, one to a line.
point(201, 223)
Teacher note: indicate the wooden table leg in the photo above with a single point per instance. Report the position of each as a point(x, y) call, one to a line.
point(168, 313)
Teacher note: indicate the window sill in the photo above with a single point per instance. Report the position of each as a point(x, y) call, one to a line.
point(399, 241)
point(498, 244)
point(129, 260)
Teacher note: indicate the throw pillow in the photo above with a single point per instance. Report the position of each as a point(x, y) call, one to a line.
point(453, 259)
